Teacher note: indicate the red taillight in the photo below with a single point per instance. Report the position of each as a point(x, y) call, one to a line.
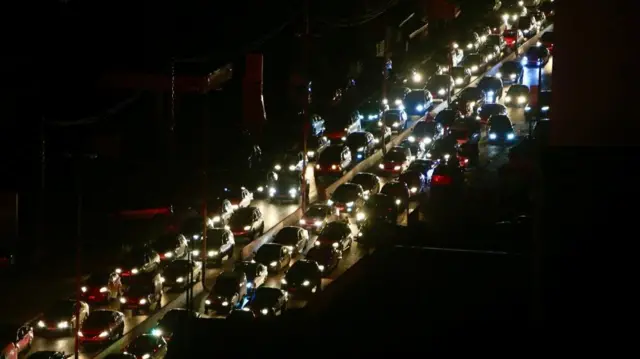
point(441, 180)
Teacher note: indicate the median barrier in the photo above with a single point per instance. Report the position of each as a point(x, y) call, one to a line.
point(290, 220)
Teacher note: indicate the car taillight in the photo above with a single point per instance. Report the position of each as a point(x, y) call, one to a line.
point(441, 180)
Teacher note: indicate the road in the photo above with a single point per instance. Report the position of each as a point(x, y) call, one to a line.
point(274, 213)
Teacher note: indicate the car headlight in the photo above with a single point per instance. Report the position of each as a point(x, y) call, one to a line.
point(343, 138)
point(360, 217)
point(507, 99)
point(350, 204)
point(273, 264)
point(381, 166)
point(195, 252)
point(411, 139)
point(318, 223)
point(134, 271)
point(514, 17)
point(385, 101)
point(372, 117)
point(538, 43)
point(441, 92)
point(103, 290)
point(292, 168)
point(545, 108)
point(246, 228)
point(490, 93)
point(512, 76)
point(469, 46)
point(234, 206)
point(272, 190)
point(40, 324)
point(416, 77)
point(447, 156)
point(196, 236)
point(429, 154)
point(306, 283)
point(419, 108)
point(207, 302)
point(459, 81)
point(396, 168)
point(522, 99)
point(525, 60)
point(321, 267)
point(249, 285)
point(398, 102)
point(511, 136)
point(156, 332)
point(225, 304)
point(277, 167)
point(63, 325)
point(212, 253)
point(317, 243)
point(376, 140)
point(335, 245)
point(283, 281)
point(302, 222)
point(498, 74)
point(146, 356)
point(395, 124)
point(118, 270)
point(474, 68)
point(168, 255)
point(492, 136)
point(310, 153)
point(123, 300)
point(142, 301)
point(527, 108)
point(398, 202)
point(83, 289)
point(103, 334)
point(361, 149)
point(293, 191)
point(505, 17)
point(414, 189)
point(329, 202)
point(264, 311)
point(455, 45)
point(427, 140)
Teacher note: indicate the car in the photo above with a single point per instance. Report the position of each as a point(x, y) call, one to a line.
point(362, 144)
point(490, 53)
point(461, 76)
point(220, 245)
point(337, 235)
point(239, 196)
point(418, 102)
point(448, 116)
point(490, 109)
point(171, 246)
point(341, 123)
point(447, 176)
point(468, 42)
point(443, 149)
point(541, 110)
point(501, 130)
point(528, 25)
point(476, 63)
point(181, 273)
point(315, 145)
point(60, 318)
point(511, 72)
point(492, 86)
point(102, 326)
point(497, 24)
point(536, 56)
point(415, 181)
point(247, 222)
point(286, 187)
point(219, 210)
point(400, 193)
point(517, 96)
point(470, 99)
point(395, 97)
point(227, 293)
point(424, 166)
point(327, 258)
point(396, 160)
point(539, 16)
point(416, 149)
point(347, 198)
point(256, 273)
point(174, 320)
point(274, 256)
point(426, 132)
point(511, 13)
point(369, 182)
point(193, 227)
point(147, 346)
point(496, 40)
point(142, 293)
point(316, 217)
point(372, 109)
point(268, 302)
point(296, 239)
point(333, 162)
point(441, 86)
point(17, 340)
point(513, 38)
point(141, 259)
point(289, 161)
point(396, 119)
point(546, 40)
point(49, 354)
point(379, 207)
point(241, 316)
point(101, 287)
point(548, 8)
point(304, 276)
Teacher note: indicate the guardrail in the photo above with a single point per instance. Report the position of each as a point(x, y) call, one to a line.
point(337, 286)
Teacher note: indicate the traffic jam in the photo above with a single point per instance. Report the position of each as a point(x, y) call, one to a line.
point(432, 124)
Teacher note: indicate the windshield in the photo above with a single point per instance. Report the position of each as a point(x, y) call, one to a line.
point(536, 51)
point(139, 288)
point(397, 92)
point(370, 107)
point(488, 82)
point(332, 230)
point(225, 286)
point(391, 116)
point(300, 271)
point(98, 318)
point(167, 241)
point(143, 344)
point(395, 157)
point(473, 59)
point(266, 297)
point(345, 193)
point(424, 128)
point(491, 109)
point(458, 72)
point(518, 89)
point(286, 235)
point(248, 268)
point(379, 202)
point(509, 33)
point(500, 122)
point(268, 253)
point(241, 216)
point(545, 98)
point(61, 308)
point(415, 96)
point(214, 237)
point(438, 80)
point(178, 266)
point(493, 40)
point(319, 254)
point(357, 139)
point(547, 37)
point(510, 67)
point(317, 211)
point(393, 188)
point(193, 225)
point(331, 154)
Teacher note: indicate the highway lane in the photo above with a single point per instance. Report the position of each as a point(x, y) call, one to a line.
point(273, 214)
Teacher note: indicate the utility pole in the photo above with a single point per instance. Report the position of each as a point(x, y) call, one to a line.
point(79, 174)
point(205, 189)
point(43, 161)
point(385, 75)
point(303, 187)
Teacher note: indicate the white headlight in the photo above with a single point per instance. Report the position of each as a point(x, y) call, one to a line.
point(538, 43)
point(522, 99)
point(293, 191)
point(264, 311)
point(474, 68)
point(419, 108)
point(118, 270)
point(292, 168)
point(498, 74)
point(505, 17)
point(156, 332)
point(441, 92)
point(246, 228)
point(321, 267)
point(459, 81)
point(511, 136)
point(329, 202)
point(545, 108)
point(168, 254)
point(306, 283)
point(335, 245)
point(310, 153)
point(277, 167)
point(123, 300)
point(207, 302)
point(83, 289)
point(143, 301)
point(411, 139)
point(395, 124)
point(492, 136)
point(360, 216)
point(427, 140)
point(302, 222)
point(225, 303)
point(40, 324)
point(212, 253)
point(196, 236)
point(146, 356)
point(398, 101)
point(447, 156)
point(103, 334)
point(217, 218)
point(318, 223)
point(385, 101)
point(103, 290)
point(469, 45)
point(398, 201)
point(381, 166)
point(376, 140)
point(273, 264)
point(507, 99)
point(417, 77)
point(396, 168)
point(283, 281)
point(455, 45)
point(350, 204)
point(317, 243)
point(343, 138)
point(512, 76)
point(195, 252)
point(414, 189)
point(63, 325)
point(490, 93)
point(134, 271)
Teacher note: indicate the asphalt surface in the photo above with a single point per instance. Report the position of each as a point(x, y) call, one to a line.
point(34, 297)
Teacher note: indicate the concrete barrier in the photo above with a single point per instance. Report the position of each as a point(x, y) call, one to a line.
point(290, 220)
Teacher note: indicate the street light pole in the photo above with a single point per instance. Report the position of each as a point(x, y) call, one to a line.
point(78, 257)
